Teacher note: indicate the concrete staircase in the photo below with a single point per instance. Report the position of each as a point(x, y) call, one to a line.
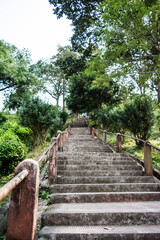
point(100, 195)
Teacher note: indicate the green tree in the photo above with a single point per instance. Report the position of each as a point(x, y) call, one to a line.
point(138, 117)
point(16, 78)
point(82, 14)
point(130, 34)
point(68, 63)
point(38, 116)
point(51, 78)
point(85, 98)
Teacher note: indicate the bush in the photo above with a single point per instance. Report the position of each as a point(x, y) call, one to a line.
point(135, 116)
point(12, 151)
point(112, 119)
point(138, 116)
point(21, 132)
point(40, 117)
point(2, 118)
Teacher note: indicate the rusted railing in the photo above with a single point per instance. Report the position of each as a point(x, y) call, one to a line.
point(147, 146)
point(22, 216)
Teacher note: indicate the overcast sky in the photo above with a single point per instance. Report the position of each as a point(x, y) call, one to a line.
point(31, 24)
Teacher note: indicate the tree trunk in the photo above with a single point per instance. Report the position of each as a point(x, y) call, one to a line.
point(63, 95)
point(57, 101)
point(159, 90)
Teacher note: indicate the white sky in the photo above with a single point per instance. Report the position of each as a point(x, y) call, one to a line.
point(31, 24)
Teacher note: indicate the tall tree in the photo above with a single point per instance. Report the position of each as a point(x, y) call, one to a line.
point(50, 77)
point(83, 14)
point(130, 34)
point(69, 63)
point(15, 76)
point(83, 97)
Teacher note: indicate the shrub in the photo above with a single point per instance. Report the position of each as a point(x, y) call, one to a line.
point(138, 116)
point(12, 151)
point(40, 117)
point(21, 132)
point(2, 118)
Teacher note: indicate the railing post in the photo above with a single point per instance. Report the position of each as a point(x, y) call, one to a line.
point(119, 143)
point(63, 139)
point(69, 129)
point(105, 136)
point(92, 132)
point(22, 216)
point(67, 135)
point(52, 173)
point(59, 140)
point(90, 128)
point(98, 134)
point(148, 159)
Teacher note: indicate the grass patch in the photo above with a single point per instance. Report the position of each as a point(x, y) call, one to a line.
point(37, 151)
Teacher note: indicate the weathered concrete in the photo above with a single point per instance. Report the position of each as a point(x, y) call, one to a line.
point(151, 232)
point(123, 213)
point(105, 197)
point(114, 187)
point(105, 179)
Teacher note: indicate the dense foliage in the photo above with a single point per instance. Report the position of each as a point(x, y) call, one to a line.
point(138, 116)
point(135, 116)
point(12, 145)
point(40, 117)
point(85, 98)
point(16, 79)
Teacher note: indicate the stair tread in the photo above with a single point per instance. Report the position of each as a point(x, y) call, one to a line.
point(101, 229)
point(105, 193)
point(113, 207)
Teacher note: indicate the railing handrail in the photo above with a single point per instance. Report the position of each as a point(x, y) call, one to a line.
point(147, 146)
point(138, 139)
point(9, 186)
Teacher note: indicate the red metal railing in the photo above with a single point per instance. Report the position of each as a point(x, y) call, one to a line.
point(22, 216)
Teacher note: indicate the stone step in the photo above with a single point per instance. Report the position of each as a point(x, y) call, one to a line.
point(100, 173)
point(80, 136)
point(79, 124)
point(88, 149)
point(142, 232)
point(121, 213)
point(95, 167)
point(115, 187)
point(75, 138)
point(91, 148)
point(105, 179)
point(96, 162)
point(90, 157)
point(113, 154)
point(88, 197)
point(93, 155)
